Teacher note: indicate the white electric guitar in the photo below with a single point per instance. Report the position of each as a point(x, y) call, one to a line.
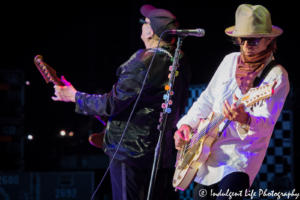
point(196, 151)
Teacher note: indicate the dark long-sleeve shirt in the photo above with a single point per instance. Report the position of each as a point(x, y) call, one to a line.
point(138, 144)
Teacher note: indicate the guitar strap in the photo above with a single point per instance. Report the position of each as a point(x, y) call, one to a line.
point(257, 81)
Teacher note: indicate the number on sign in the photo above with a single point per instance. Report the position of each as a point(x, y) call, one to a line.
point(65, 193)
point(9, 180)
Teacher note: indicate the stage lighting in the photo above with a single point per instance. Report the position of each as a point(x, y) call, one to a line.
point(62, 133)
point(30, 137)
point(71, 133)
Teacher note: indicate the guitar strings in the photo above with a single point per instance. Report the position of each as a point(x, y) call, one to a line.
point(195, 138)
point(210, 125)
point(204, 131)
point(207, 129)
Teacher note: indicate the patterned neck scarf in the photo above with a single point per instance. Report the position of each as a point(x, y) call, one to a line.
point(248, 68)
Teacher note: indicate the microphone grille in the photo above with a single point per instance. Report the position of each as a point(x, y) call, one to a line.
point(200, 32)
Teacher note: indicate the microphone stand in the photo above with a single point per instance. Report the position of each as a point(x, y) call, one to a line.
point(164, 116)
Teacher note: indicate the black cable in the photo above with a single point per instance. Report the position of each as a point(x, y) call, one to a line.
point(129, 116)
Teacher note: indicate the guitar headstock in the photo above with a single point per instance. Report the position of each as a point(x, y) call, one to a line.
point(47, 72)
point(257, 94)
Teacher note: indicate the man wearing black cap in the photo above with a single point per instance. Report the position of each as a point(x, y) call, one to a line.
point(161, 20)
point(131, 170)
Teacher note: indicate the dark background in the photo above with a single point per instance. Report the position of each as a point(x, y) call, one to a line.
point(86, 42)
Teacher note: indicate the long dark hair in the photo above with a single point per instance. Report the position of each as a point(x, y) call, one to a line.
point(273, 44)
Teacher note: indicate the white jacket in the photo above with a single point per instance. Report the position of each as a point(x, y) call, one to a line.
point(237, 149)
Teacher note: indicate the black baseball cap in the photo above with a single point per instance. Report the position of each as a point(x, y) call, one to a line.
point(160, 19)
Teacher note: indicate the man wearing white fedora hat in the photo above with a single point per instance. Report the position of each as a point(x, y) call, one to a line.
point(236, 156)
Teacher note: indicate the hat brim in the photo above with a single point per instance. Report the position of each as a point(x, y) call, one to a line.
point(146, 9)
point(276, 31)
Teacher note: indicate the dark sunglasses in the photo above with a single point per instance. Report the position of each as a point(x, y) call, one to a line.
point(143, 21)
point(251, 41)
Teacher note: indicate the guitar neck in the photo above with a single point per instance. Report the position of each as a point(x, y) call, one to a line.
point(253, 97)
point(52, 73)
point(47, 72)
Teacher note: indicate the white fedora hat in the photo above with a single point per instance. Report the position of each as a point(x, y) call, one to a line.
point(253, 21)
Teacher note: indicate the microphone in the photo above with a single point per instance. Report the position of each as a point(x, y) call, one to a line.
point(185, 32)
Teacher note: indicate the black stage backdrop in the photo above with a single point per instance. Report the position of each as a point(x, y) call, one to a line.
point(86, 42)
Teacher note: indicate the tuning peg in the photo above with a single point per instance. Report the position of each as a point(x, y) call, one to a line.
point(160, 120)
point(161, 114)
point(171, 93)
point(176, 73)
point(169, 76)
point(170, 68)
point(251, 108)
point(158, 127)
point(170, 102)
point(268, 98)
point(168, 110)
